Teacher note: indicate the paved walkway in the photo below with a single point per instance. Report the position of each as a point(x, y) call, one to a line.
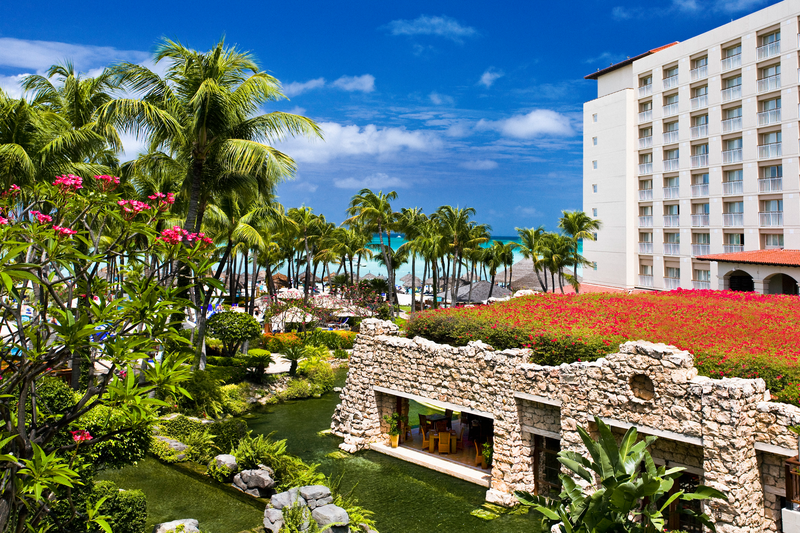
point(434, 462)
point(280, 365)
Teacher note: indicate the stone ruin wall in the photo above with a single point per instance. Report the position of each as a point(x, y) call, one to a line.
point(705, 424)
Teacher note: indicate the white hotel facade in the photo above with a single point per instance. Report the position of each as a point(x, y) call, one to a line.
point(691, 150)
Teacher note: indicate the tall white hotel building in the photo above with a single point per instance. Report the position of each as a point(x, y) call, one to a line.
point(691, 161)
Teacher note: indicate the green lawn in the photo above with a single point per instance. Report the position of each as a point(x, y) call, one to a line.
point(415, 409)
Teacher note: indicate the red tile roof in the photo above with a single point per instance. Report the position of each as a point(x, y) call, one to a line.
point(600, 72)
point(758, 257)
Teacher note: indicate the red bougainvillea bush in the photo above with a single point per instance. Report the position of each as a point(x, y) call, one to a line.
point(731, 334)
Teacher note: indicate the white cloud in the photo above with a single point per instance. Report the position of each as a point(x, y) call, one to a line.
point(537, 123)
point(427, 25)
point(306, 186)
point(527, 211)
point(11, 85)
point(479, 164)
point(40, 55)
point(621, 13)
point(459, 129)
point(294, 88)
point(490, 76)
point(440, 99)
point(349, 141)
point(364, 83)
point(378, 180)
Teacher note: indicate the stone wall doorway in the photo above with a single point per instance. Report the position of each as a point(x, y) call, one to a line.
point(546, 466)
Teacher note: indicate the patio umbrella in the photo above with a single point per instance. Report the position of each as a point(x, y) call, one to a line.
point(408, 278)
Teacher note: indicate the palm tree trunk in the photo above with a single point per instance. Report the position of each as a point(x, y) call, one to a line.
point(413, 283)
point(246, 258)
point(491, 287)
point(510, 276)
point(308, 265)
point(560, 282)
point(424, 274)
point(435, 270)
point(553, 279)
point(388, 268)
point(194, 195)
point(358, 268)
point(471, 277)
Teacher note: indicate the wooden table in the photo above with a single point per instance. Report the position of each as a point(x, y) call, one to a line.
point(434, 438)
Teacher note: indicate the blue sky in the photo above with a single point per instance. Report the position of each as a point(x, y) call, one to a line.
point(451, 102)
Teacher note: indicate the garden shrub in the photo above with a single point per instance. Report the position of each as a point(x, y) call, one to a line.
point(290, 471)
point(319, 373)
point(127, 509)
point(228, 433)
point(234, 399)
point(731, 334)
point(278, 342)
point(296, 389)
point(227, 361)
point(233, 329)
point(206, 394)
point(121, 449)
point(53, 396)
point(164, 453)
point(227, 374)
point(339, 353)
point(257, 362)
point(220, 473)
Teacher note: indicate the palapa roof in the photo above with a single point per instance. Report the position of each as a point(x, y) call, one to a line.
point(480, 292)
point(407, 280)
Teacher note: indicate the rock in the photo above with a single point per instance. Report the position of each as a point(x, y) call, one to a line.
point(330, 514)
point(273, 520)
point(172, 443)
point(253, 492)
point(314, 492)
point(257, 479)
point(313, 504)
point(226, 461)
point(286, 499)
point(190, 525)
point(238, 483)
point(267, 469)
point(337, 389)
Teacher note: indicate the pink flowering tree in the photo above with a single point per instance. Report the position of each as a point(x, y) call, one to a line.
point(66, 312)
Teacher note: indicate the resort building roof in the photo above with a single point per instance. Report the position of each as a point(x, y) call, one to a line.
point(615, 66)
point(777, 257)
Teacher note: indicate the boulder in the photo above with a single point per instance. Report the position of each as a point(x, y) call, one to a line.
point(331, 514)
point(190, 525)
point(172, 443)
point(314, 492)
point(257, 479)
point(238, 483)
point(226, 460)
point(287, 499)
point(273, 520)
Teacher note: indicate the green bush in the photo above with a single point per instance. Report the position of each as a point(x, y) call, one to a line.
point(339, 353)
point(296, 389)
point(206, 394)
point(122, 449)
point(319, 373)
point(257, 362)
point(234, 399)
point(219, 473)
point(228, 433)
point(233, 329)
point(227, 374)
point(201, 445)
point(53, 396)
point(164, 453)
point(227, 361)
point(127, 509)
point(290, 471)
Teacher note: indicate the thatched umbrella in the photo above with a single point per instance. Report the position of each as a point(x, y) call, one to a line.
point(407, 279)
point(480, 292)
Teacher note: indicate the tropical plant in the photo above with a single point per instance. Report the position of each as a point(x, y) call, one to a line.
point(233, 329)
point(621, 490)
point(578, 225)
point(394, 423)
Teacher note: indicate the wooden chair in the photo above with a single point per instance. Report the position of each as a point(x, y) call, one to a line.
point(460, 438)
point(441, 425)
point(407, 432)
point(444, 442)
point(425, 441)
point(478, 456)
point(449, 414)
point(423, 422)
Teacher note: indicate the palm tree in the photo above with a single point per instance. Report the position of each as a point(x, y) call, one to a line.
point(203, 113)
point(494, 257)
point(558, 255)
point(530, 247)
point(411, 219)
point(578, 225)
point(455, 226)
point(375, 212)
point(307, 224)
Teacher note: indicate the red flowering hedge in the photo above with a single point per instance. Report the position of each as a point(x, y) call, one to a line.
point(731, 334)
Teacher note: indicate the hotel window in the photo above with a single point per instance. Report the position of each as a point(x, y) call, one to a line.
point(645, 158)
point(594, 236)
point(672, 238)
point(733, 207)
point(594, 117)
point(670, 126)
point(770, 38)
point(733, 112)
point(699, 120)
point(671, 183)
point(594, 211)
point(772, 206)
point(644, 81)
point(645, 132)
point(770, 138)
point(700, 209)
point(732, 144)
point(673, 272)
point(733, 175)
point(729, 83)
point(700, 179)
point(671, 154)
point(671, 99)
point(646, 270)
point(732, 51)
point(646, 211)
point(645, 106)
point(671, 71)
point(734, 239)
point(594, 165)
point(697, 92)
point(672, 209)
point(700, 149)
point(771, 104)
point(645, 237)
point(594, 141)
point(594, 187)
point(772, 171)
point(701, 238)
point(700, 62)
point(772, 70)
point(773, 241)
point(702, 275)
point(594, 265)
point(645, 185)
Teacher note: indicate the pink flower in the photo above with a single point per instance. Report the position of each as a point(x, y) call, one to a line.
point(81, 435)
point(41, 217)
point(107, 182)
point(64, 232)
point(132, 207)
point(176, 235)
point(69, 183)
point(3, 221)
point(165, 200)
point(13, 190)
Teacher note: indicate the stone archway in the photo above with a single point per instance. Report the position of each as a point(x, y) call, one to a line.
point(739, 281)
point(781, 284)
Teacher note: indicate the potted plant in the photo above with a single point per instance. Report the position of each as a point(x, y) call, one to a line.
point(486, 452)
point(394, 428)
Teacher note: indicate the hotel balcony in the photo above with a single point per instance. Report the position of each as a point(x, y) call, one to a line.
point(646, 248)
point(699, 73)
point(671, 192)
point(699, 131)
point(732, 93)
point(733, 220)
point(699, 102)
point(769, 151)
point(732, 125)
point(645, 195)
point(672, 221)
point(646, 116)
point(770, 83)
point(645, 281)
point(671, 164)
point(770, 185)
point(766, 118)
point(701, 285)
point(701, 249)
point(672, 283)
point(670, 137)
point(671, 82)
point(646, 222)
point(645, 90)
point(773, 247)
point(768, 50)
point(672, 248)
point(732, 156)
point(645, 168)
point(700, 221)
point(671, 110)
point(732, 187)
point(700, 160)
point(700, 189)
point(645, 142)
point(770, 219)
point(732, 248)
point(730, 63)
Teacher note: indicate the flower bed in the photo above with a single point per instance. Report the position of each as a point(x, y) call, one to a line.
point(731, 334)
